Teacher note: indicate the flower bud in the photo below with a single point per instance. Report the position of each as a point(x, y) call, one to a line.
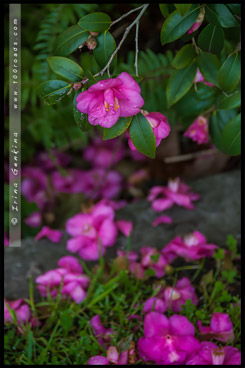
point(77, 86)
point(91, 43)
point(94, 33)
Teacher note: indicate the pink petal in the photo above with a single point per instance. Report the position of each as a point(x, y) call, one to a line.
point(161, 204)
point(159, 305)
point(125, 226)
point(52, 235)
point(71, 264)
point(34, 219)
point(112, 354)
point(75, 244)
point(105, 84)
point(232, 356)
point(179, 325)
point(98, 360)
point(76, 224)
point(91, 251)
point(162, 220)
point(107, 233)
point(123, 360)
point(155, 324)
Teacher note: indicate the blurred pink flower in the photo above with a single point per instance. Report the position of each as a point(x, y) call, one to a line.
point(162, 220)
point(220, 328)
point(132, 256)
point(6, 239)
point(44, 161)
point(137, 269)
point(102, 334)
point(98, 360)
point(200, 78)
point(34, 219)
point(51, 234)
point(155, 304)
point(177, 296)
point(74, 282)
point(72, 182)
point(210, 354)
point(193, 246)
point(147, 260)
point(125, 227)
point(159, 124)
point(34, 186)
point(198, 130)
point(21, 309)
point(167, 341)
point(176, 192)
point(109, 99)
point(104, 153)
point(112, 357)
point(90, 230)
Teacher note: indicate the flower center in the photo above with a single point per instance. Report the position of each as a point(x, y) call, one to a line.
point(173, 185)
point(116, 104)
point(202, 121)
point(86, 228)
point(190, 240)
point(218, 356)
point(174, 295)
point(114, 107)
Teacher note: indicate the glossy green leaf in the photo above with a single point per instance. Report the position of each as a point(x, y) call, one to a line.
point(231, 137)
point(164, 10)
point(117, 129)
point(217, 123)
point(142, 135)
point(231, 102)
point(184, 57)
point(176, 25)
point(105, 47)
point(95, 22)
point(182, 8)
point(219, 14)
point(89, 64)
point(209, 66)
point(66, 68)
point(230, 73)
point(69, 40)
point(53, 90)
point(211, 39)
point(180, 82)
point(81, 119)
point(235, 8)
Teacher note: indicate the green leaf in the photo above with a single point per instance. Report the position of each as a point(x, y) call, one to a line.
point(209, 66)
point(53, 90)
point(69, 40)
point(176, 25)
point(230, 73)
point(95, 22)
point(81, 119)
point(89, 65)
point(219, 14)
point(184, 57)
point(105, 47)
point(211, 39)
point(182, 8)
point(142, 135)
point(117, 129)
point(235, 8)
point(164, 10)
point(230, 102)
point(231, 137)
point(66, 68)
point(180, 82)
point(217, 123)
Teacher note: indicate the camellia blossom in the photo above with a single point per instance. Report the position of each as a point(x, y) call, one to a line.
point(199, 78)
point(176, 192)
point(74, 282)
point(193, 246)
point(147, 260)
point(220, 328)
point(198, 21)
point(52, 235)
point(34, 219)
point(210, 354)
point(92, 230)
point(198, 130)
point(167, 341)
point(177, 296)
point(104, 153)
point(159, 124)
point(109, 99)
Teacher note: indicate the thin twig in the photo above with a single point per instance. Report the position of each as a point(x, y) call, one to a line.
point(125, 15)
point(188, 156)
point(195, 45)
point(136, 48)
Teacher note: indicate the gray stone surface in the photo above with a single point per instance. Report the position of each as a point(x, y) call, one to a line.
point(217, 214)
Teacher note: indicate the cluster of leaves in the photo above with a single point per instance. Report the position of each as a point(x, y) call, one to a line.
point(216, 53)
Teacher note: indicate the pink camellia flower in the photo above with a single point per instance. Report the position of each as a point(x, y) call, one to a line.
point(44, 161)
point(22, 311)
point(198, 21)
point(210, 354)
point(193, 246)
point(52, 235)
point(109, 99)
point(104, 153)
point(198, 130)
point(34, 219)
point(162, 220)
point(175, 192)
point(167, 341)
point(159, 124)
point(92, 230)
point(69, 275)
point(220, 328)
point(158, 264)
point(124, 226)
point(177, 296)
point(34, 186)
point(72, 182)
point(199, 78)
point(102, 334)
point(6, 240)
point(98, 183)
